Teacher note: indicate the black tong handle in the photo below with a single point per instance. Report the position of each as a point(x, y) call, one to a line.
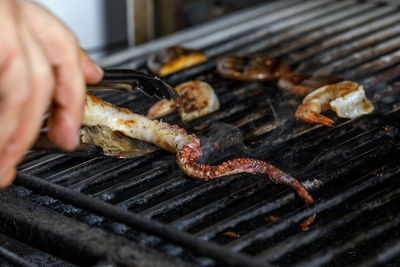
point(129, 80)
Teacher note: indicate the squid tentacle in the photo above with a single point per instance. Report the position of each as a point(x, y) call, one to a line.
point(187, 156)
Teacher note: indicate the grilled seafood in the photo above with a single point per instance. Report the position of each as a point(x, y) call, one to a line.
point(113, 142)
point(346, 98)
point(173, 59)
point(251, 68)
point(301, 84)
point(161, 108)
point(187, 146)
point(196, 99)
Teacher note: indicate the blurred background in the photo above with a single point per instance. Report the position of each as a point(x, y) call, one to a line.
point(107, 26)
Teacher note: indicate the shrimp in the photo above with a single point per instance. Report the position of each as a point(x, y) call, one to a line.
point(161, 108)
point(251, 68)
point(346, 98)
point(196, 99)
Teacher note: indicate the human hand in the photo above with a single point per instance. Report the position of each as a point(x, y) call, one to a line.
point(41, 63)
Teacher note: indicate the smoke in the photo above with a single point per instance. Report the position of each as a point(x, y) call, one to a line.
point(276, 126)
point(219, 140)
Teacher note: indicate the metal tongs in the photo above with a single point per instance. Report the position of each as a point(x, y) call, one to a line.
point(130, 80)
point(117, 79)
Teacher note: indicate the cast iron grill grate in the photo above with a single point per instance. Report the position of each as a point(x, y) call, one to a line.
point(148, 208)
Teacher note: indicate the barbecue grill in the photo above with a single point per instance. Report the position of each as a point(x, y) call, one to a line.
point(145, 211)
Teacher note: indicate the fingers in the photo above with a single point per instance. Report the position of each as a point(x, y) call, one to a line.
point(91, 71)
point(40, 62)
point(41, 84)
point(63, 52)
point(14, 79)
point(8, 178)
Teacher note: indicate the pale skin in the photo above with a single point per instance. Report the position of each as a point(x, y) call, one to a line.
point(41, 66)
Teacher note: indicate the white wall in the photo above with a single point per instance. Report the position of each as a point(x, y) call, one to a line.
point(97, 23)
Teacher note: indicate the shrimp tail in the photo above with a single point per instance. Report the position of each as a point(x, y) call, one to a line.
point(305, 113)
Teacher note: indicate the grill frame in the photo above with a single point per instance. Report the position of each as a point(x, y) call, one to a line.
point(110, 175)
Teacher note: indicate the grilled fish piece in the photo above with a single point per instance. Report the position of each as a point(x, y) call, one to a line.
point(174, 59)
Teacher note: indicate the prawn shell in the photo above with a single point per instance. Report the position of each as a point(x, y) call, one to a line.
point(251, 68)
point(352, 105)
point(196, 99)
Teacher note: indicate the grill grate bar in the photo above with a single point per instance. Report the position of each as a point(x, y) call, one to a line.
point(265, 206)
point(138, 222)
point(105, 175)
point(53, 164)
point(361, 56)
point(355, 188)
point(365, 42)
point(76, 170)
point(324, 257)
point(383, 255)
point(282, 23)
point(237, 218)
point(382, 80)
point(32, 156)
point(14, 259)
point(138, 179)
point(188, 196)
point(333, 173)
point(197, 216)
point(254, 211)
point(299, 140)
point(376, 65)
point(370, 27)
point(325, 24)
point(231, 110)
point(136, 201)
point(39, 163)
point(368, 205)
point(357, 145)
point(308, 26)
point(344, 24)
point(314, 143)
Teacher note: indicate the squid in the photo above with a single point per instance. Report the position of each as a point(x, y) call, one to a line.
point(186, 146)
